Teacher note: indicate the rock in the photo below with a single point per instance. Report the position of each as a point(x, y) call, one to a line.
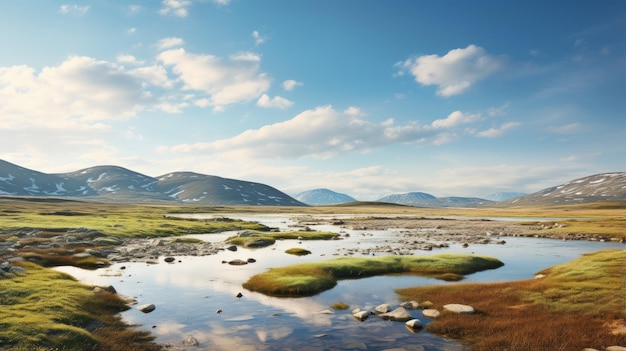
point(259, 243)
point(17, 270)
point(410, 305)
point(431, 313)
point(426, 304)
point(615, 348)
point(539, 276)
point(361, 315)
point(169, 259)
point(237, 262)
point(384, 308)
point(232, 248)
point(107, 288)
point(400, 314)
point(414, 324)
point(458, 308)
point(251, 260)
point(147, 308)
point(239, 295)
point(326, 312)
point(190, 341)
point(5, 266)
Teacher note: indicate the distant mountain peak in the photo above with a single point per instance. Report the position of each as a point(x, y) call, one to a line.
point(323, 197)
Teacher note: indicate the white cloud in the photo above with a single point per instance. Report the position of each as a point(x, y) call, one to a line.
point(258, 39)
point(178, 8)
point(73, 9)
point(132, 30)
point(454, 119)
point(221, 2)
point(170, 42)
point(80, 88)
point(133, 9)
point(227, 80)
point(321, 132)
point(290, 84)
point(155, 75)
point(125, 58)
point(454, 72)
point(498, 131)
point(277, 102)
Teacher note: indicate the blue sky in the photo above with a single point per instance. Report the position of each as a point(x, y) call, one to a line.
point(367, 98)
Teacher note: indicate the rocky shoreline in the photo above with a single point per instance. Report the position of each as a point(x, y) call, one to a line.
point(409, 234)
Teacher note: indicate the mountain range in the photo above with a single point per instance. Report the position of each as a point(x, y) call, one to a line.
point(427, 200)
point(117, 184)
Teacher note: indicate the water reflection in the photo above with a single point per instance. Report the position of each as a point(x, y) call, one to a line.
point(189, 292)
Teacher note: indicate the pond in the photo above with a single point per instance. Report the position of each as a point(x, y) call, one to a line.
point(189, 293)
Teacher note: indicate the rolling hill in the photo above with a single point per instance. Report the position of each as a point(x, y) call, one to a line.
point(118, 184)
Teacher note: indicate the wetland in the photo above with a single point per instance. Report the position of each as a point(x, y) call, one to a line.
point(199, 296)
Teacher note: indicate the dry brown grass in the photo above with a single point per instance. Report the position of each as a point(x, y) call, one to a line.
point(537, 314)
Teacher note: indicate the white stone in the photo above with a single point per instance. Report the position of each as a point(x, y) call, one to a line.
point(400, 314)
point(384, 308)
point(361, 315)
point(431, 313)
point(414, 323)
point(458, 308)
point(411, 305)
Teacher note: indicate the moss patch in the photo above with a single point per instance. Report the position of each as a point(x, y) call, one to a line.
point(298, 251)
point(250, 237)
point(311, 278)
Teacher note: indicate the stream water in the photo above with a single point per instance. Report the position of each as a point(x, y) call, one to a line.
point(189, 292)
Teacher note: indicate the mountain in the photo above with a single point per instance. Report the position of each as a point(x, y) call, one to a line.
point(594, 188)
point(427, 200)
point(19, 181)
point(323, 197)
point(501, 196)
point(118, 184)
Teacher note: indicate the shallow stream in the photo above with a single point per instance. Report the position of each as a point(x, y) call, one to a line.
point(189, 292)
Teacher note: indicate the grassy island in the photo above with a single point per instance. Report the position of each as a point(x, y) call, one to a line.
point(311, 278)
point(254, 238)
point(576, 305)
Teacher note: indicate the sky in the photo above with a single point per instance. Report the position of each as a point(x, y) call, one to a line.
point(363, 97)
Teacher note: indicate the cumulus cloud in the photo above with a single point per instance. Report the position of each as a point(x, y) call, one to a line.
point(170, 42)
point(226, 80)
point(498, 131)
point(454, 119)
point(73, 9)
point(80, 88)
point(275, 102)
point(291, 84)
point(455, 72)
point(321, 132)
point(178, 8)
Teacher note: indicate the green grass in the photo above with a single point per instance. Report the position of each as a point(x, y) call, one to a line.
point(46, 309)
point(298, 251)
point(311, 278)
point(250, 236)
point(122, 220)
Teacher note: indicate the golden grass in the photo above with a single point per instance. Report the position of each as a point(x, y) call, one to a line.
point(307, 279)
point(576, 305)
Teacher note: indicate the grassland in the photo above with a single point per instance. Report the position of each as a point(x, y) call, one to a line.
point(311, 278)
point(43, 309)
point(575, 305)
